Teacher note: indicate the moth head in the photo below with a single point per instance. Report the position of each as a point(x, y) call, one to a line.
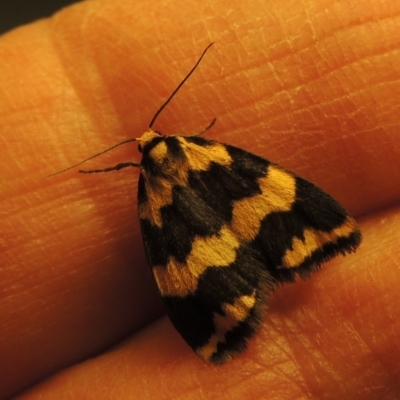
point(148, 139)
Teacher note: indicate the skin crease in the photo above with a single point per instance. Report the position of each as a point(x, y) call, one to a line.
point(312, 85)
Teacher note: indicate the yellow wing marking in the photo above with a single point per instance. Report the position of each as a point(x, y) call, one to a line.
point(234, 313)
point(176, 279)
point(278, 189)
point(199, 158)
point(159, 195)
point(313, 240)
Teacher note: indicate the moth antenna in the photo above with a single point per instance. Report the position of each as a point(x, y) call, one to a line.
point(151, 123)
point(179, 86)
point(210, 125)
point(90, 158)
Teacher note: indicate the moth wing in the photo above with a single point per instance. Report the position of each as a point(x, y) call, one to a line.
point(293, 225)
point(216, 297)
point(221, 234)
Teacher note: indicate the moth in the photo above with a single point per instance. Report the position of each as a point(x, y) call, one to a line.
point(222, 227)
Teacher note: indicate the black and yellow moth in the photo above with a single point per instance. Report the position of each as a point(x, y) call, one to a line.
point(222, 227)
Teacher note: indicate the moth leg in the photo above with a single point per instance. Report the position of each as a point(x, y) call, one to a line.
point(114, 168)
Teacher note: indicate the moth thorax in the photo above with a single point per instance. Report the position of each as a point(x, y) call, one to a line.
point(163, 163)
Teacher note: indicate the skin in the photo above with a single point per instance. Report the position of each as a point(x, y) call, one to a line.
point(312, 85)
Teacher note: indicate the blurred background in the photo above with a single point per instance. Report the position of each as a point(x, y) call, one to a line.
point(14, 13)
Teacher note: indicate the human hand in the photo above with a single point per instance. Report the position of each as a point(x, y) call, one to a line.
point(312, 86)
